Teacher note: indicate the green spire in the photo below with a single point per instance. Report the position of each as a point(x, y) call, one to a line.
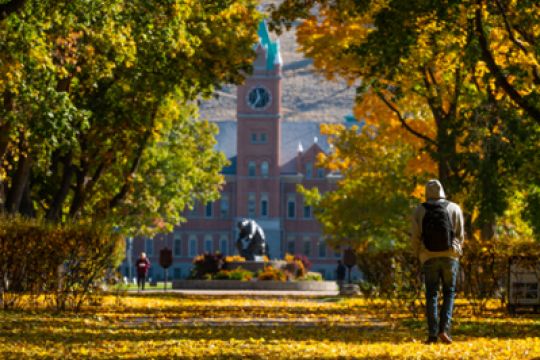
point(272, 47)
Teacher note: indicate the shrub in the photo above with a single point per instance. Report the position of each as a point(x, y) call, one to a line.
point(271, 273)
point(236, 274)
point(312, 276)
point(68, 263)
point(295, 266)
point(207, 265)
point(235, 258)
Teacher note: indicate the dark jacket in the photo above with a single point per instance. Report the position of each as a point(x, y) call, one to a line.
point(142, 266)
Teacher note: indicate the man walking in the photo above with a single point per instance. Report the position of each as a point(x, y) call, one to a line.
point(437, 239)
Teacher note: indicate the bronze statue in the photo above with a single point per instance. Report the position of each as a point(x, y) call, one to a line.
point(251, 241)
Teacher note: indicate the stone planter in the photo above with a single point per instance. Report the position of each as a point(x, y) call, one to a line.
point(255, 285)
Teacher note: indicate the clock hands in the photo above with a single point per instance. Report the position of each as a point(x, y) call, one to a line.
point(258, 98)
point(257, 101)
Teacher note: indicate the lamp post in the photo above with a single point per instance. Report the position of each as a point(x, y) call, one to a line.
point(165, 260)
point(349, 259)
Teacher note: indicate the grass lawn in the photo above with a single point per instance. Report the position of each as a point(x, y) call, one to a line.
point(170, 326)
point(159, 286)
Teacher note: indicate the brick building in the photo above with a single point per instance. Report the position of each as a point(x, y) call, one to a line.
point(268, 158)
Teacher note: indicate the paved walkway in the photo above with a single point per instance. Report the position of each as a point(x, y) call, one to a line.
point(238, 292)
point(353, 322)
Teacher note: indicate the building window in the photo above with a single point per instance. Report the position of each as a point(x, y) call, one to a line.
point(177, 246)
point(149, 247)
point(208, 244)
point(252, 169)
point(307, 246)
point(263, 138)
point(291, 246)
point(224, 206)
point(208, 209)
point(253, 138)
point(307, 212)
point(251, 204)
point(291, 206)
point(309, 170)
point(264, 205)
point(264, 169)
point(224, 245)
point(177, 273)
point(322, 248)
point(192, 246)
point(320, 173)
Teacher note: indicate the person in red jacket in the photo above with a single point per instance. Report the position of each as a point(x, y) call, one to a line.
point(143, 264)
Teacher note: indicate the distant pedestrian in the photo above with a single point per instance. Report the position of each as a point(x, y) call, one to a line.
point(142, 264)
point(340, 273)
point(437, 239)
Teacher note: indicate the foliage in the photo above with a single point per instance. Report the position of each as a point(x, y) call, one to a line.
point(306, 263)
point(235, 274)
point(207, 265)
point(312, 276)
point(451, 84)
point(371, 204)
point(66, 263)
point(166, 326)
point(532, 210)
point(296, 265)
point(98, 111)
point(272, 273)
point(234, 258)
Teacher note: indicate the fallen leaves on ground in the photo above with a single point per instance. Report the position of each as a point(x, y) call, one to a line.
point(173, 326)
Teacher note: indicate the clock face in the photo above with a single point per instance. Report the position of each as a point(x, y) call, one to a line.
point(258, 98)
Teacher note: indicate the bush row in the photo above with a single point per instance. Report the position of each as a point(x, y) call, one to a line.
point(64, 263)
point(484, 270)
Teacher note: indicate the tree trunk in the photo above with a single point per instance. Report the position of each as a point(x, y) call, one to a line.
point(6, 127)
point(19, 182)
point(55, 211)
point(27, 206)
point(487, 232)
point(83, 188)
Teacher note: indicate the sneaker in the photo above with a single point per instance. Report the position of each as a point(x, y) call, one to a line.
point(445, 338)
point(431, 340)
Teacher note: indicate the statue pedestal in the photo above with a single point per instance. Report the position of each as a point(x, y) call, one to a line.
point(349, 290)
point(254, 266)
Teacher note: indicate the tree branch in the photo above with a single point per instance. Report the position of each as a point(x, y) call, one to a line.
point(452, 111)
point(509, 27)
point(496, 71)
point(437, 114)
point(403, 121)
point(129, 177)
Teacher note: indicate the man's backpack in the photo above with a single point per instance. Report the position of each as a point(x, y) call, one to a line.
point(437, 229)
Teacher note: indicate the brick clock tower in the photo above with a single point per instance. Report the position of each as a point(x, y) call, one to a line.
point(258, 141)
